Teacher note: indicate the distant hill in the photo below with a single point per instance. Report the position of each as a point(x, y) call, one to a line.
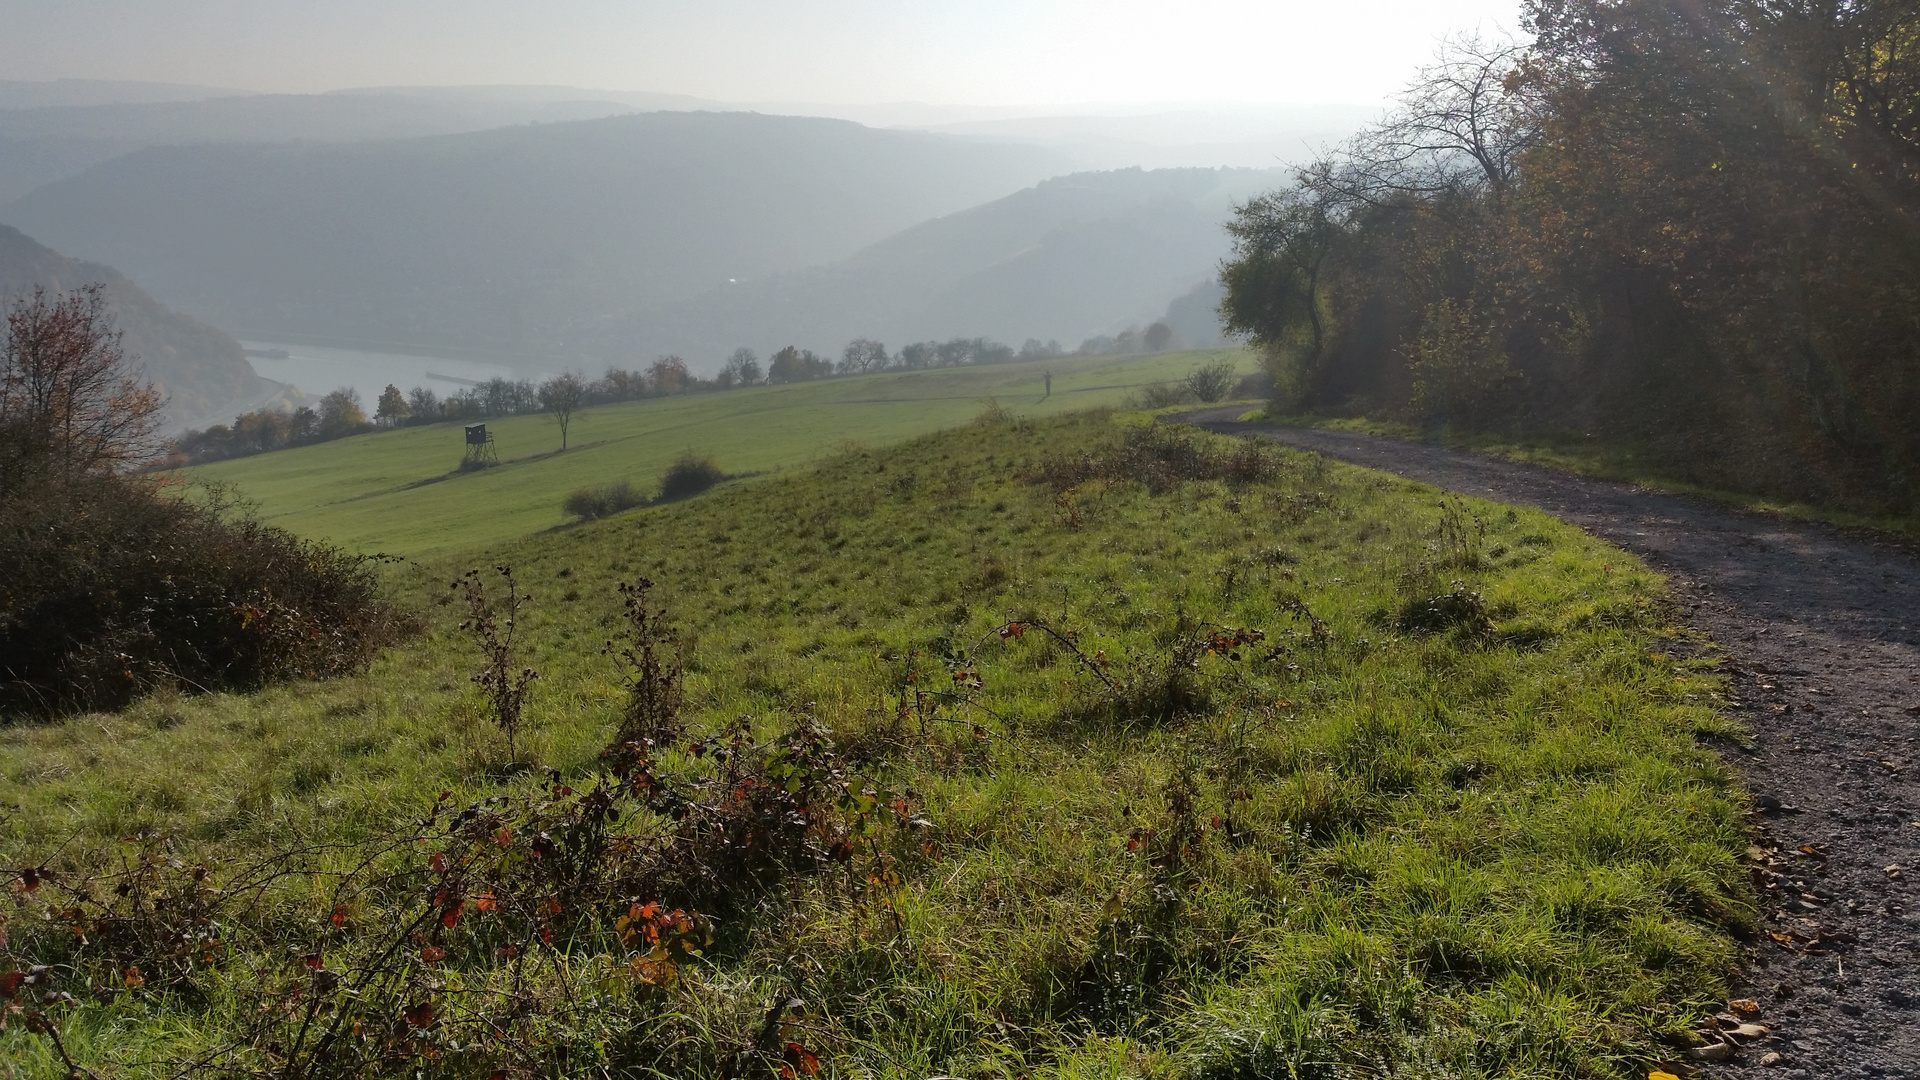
point(1247, 136)
point(39, 145)
point(23, 94)
point(1067, 259)
point(545, 240)
point(202, 370)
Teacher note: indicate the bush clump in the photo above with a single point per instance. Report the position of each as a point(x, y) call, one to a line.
point(1163, 456)
point(113, 587)
point(690, 474)
point(1210, 382)
point(589, 504)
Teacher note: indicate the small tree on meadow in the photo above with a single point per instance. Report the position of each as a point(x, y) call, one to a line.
point(560, 396)
point(1158, 336)
point(392, 409)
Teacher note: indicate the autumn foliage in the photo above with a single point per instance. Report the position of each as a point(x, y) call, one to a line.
point(1688, 227)
point(113, 583)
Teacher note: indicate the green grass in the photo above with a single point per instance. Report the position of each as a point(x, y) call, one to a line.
point(1461, 854)
point(1587, 456)
point(397, 491)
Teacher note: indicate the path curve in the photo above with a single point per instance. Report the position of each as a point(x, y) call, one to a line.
point(1822, 637)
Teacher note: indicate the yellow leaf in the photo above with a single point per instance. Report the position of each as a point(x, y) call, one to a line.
point(1658, 1075)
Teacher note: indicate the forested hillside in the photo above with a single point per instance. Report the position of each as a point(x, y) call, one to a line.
point(52, 131)
point(1689, 227)
point(528, 239)
point(1074, 256)
point(200, 369)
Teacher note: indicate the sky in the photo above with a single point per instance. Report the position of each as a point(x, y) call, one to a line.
point(997, 53)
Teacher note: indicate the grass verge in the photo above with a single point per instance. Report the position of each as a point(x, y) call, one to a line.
point(1589, 457)
point(1151, 755)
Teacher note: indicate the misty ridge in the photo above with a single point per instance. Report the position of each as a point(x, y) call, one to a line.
point(557, 228)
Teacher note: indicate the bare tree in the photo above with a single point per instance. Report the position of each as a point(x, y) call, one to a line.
point(560, 396)
point(1461, 126)
point(68, 401)
point(743, 368)
point(863, 355)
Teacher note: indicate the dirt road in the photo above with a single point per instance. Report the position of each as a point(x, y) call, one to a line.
point(1822, 637)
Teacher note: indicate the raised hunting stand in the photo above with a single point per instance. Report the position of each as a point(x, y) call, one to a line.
point(480, 452)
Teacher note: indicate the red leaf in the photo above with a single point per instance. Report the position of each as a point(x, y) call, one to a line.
point(30, 878)
point(419, 1015)
point(485, 902)
point(10, 984)
point(314, 961)
point(451, 915)
point(339, 915)
point(438, 862)
point(433, 954)
point(802, 1059)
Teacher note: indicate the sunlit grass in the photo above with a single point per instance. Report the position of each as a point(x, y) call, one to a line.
point(1459, 853)
point(398, 491)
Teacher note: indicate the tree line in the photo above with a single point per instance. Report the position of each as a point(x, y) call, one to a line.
point(342, 412)
point(1687, 227)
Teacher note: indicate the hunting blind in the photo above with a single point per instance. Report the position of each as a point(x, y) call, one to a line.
point(479, 447)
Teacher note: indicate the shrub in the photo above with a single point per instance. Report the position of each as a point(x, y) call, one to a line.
point(589, 504)
point(1162, 457)
point(1161, 395)
point(690, 474)
point(114, 587)
point(1210, 382)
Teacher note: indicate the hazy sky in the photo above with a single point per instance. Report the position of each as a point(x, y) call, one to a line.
point(980, 52)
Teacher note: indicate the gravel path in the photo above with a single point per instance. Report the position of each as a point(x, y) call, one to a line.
point(1821, 634)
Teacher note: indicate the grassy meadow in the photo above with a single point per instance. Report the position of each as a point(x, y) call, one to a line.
point(1048, 747)
point(398, 491)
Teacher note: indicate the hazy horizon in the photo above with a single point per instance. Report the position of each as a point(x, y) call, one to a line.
point(984, 59)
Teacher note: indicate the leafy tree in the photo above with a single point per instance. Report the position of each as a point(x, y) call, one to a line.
point(392, 409)
point(1688, 223)
point(561, 395)
point(1281, 244)
point(341, 414)
point(669, 375)
point(1157, 336)
point(793, 364)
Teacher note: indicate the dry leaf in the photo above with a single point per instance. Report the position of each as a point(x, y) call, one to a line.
point(1751, 1031)
point(1744, 1005)
point(1773, 1057)
point(1712, 1052)
point(1658, 1075)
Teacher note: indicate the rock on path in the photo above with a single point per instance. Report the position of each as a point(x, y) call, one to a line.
point(1821, 633)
